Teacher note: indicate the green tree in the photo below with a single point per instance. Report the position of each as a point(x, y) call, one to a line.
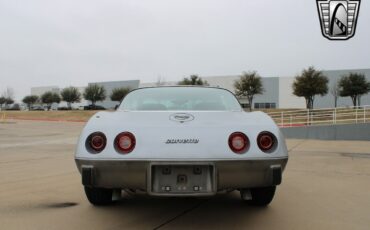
point(71, 95)
point(49, 98)
point(9, 101)
point(2, 101)
point(249, 85)
point(310, 83)
point(5, 101)
point(119, 93)
point(193, 80)
point(94, 93)
point(30, 100)
point(354, 85)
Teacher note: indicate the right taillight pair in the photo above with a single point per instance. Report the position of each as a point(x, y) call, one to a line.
point(124, 142)
point(239, 142)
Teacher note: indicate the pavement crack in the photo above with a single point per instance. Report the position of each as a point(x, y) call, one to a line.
point(180, 214)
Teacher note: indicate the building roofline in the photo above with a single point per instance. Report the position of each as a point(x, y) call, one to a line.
point(344, 70)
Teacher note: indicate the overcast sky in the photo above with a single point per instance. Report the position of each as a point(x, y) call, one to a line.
point(75, 42)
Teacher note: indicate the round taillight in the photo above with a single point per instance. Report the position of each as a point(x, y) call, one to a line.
point(266, 141)
point(125, 142)
point(238, 142)
point(96, 142)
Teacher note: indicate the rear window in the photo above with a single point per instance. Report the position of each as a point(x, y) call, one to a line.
point(180, 98)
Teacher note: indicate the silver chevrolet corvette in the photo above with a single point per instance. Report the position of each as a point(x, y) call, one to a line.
point(181, 141)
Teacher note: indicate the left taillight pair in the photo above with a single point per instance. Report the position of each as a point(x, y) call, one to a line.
point(123, 143)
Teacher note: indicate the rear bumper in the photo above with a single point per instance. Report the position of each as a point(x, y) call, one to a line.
point(228, 174)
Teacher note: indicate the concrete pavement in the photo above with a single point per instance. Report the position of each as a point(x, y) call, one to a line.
point(326, 186)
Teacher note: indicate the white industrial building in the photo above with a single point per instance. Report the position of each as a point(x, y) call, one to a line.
point(277, 90)
point(279, 93)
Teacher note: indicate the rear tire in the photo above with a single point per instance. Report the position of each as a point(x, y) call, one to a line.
point(99, 196)
point(260, 196)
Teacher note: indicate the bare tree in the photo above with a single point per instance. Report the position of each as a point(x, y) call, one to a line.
point(160, 81)
point(9, 93)
point(7, 97)
point(334, 90)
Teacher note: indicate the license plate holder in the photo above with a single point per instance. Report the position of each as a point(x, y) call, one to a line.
point(182, 179)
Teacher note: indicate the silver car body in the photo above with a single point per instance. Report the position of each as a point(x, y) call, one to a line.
point(184, 138)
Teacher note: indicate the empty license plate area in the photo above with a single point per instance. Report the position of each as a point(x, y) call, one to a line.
point(182, 179)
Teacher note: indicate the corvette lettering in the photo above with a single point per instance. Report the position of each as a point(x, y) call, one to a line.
point(182, 141)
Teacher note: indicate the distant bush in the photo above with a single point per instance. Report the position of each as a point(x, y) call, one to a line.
point(94, 93)
point(30, 100)
point(70, 95)
point(119, 93)
point(49, 98)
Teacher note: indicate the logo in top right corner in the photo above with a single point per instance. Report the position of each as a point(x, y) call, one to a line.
point(338, 18)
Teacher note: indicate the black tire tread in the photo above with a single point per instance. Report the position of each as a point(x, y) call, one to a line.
point(261, 196)
point(99, 196)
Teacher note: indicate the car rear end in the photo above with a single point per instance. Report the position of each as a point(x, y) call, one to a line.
point(169, 158)
point(181, 153)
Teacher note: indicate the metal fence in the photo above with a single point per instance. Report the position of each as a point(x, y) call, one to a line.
point(305, 117)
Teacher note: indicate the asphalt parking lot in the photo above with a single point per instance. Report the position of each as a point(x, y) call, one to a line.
point(326, 186)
